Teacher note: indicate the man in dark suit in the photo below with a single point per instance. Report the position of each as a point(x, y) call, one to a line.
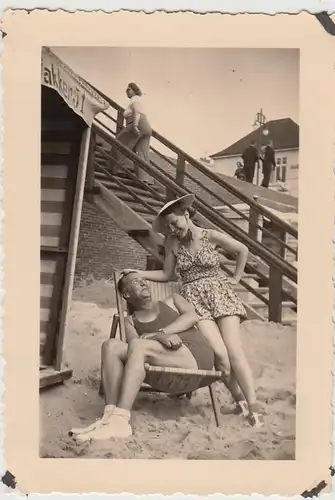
point(250, 158)
point(269, 163)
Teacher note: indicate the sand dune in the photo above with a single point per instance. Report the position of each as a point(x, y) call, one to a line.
point(166, 427)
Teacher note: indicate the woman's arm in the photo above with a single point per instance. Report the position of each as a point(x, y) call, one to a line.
point(135, 108)
point(187, 319)
point(239, 249)
point(161, 275)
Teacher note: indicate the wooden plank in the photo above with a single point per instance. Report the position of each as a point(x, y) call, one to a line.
point(48, 265)
point(126, 218)
point(54, 170)
point(50, 219)
point(76, 209)
point(52, 206)
point(53, 346)
point(50, 376)
point(44, 327)
point(57, 135)
point(56, 125)
point(44, 314)
point(53, 159)
point(50, 231)
point(45, 302)
point(56, 147)
point(53, 195)
point(58, 280)
point(53, 183)
point(46, 290)
point(47, 278)
point(50, 241)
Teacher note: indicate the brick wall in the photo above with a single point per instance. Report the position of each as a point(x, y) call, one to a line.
point(104, 247)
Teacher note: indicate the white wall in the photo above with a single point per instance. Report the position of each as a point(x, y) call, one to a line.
point(227, 166)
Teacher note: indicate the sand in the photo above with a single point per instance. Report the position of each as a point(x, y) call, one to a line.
point(166, 427)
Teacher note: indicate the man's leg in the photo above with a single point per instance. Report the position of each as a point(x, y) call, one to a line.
point(113, 357)
point(149, 351)
point(140, 351)
point(266, 176)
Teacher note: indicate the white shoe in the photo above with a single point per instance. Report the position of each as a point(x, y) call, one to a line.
point(84, 430)
point(241, 408)
point(117, 426)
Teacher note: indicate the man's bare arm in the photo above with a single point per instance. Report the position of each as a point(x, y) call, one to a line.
point(187, 319)
point(131, 332)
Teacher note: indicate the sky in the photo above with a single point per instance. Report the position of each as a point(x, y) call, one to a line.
point(203, 100)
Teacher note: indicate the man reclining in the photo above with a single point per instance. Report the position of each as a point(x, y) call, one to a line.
point(159, 333)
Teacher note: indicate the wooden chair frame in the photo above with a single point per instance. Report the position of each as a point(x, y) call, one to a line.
point(206, 377)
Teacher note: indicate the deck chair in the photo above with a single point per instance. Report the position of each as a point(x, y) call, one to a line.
point(173, 381)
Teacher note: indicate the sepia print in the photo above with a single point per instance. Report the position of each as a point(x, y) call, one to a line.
point(182, 296)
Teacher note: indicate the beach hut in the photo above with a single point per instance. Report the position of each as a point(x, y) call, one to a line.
point(68, 106)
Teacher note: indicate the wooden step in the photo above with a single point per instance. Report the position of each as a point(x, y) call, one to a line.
point(49, 376)
point(285, 304)
point(126, 196)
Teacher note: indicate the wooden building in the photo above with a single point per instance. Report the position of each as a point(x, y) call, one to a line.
point(68, 106)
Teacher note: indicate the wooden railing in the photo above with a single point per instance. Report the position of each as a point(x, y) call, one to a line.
point(269, 263)
point(276, 265)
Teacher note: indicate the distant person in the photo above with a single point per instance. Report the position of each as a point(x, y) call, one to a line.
point(137, 133)
point(250, 158)
point(269, 163)
point(239, 172)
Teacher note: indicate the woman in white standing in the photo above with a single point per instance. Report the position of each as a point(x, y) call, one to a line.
point(137, 133)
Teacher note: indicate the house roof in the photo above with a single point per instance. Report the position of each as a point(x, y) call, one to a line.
point(284, 133)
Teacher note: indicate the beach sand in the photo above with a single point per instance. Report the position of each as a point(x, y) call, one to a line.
point(166, 427)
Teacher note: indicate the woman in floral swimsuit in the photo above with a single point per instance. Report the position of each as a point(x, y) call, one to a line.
point(190, 251)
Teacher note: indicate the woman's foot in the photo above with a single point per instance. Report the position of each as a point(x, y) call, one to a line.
point(255, 417)
point(241, 408)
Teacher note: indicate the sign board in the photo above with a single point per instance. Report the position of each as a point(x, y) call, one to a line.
point(77, 94)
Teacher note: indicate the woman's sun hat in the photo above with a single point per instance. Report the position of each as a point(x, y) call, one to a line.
point(185, 202)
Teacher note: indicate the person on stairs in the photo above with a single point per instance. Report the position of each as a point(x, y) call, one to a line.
point(159, 333)
point(137, 133)
point(192, 252)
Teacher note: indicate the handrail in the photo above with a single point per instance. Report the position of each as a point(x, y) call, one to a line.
point(243, 216)
point(210, 213)
point(195, 163)
point(250, 266)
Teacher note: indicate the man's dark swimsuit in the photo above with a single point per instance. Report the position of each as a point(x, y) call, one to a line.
point(192, 338)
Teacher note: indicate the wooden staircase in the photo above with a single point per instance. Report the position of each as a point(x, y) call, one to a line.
point(269, 285)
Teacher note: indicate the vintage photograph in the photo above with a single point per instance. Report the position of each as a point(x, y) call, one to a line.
point(169, 251)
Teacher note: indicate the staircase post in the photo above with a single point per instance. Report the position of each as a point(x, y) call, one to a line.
point(180, 171)
point(90, 171)
point(276, 280)
point(119, 127)
point(253, 222)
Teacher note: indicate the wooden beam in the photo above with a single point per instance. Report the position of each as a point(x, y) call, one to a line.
point(73, 243)
point(49, 376)
point(126, 218)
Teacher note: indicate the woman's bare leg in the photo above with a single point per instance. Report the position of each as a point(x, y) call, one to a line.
point(230, 331)
point(211, 332)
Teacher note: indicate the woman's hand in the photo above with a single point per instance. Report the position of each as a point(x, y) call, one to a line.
point(127, 271)
point(233, 281)
point(136, 130)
